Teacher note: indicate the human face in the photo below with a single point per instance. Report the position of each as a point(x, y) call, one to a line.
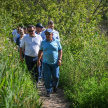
point(25, 31)
point(18, 31)
point(22, 32)
point(51, 26)
point(49, 36)
point(38, 29)
point(31, 31)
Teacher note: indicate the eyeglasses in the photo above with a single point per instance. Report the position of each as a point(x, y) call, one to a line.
point(31, 31)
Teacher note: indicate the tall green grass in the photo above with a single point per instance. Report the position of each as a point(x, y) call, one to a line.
point(84, 71)
point(16, 85)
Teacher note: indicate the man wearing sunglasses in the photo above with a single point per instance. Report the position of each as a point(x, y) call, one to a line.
point(52, 54)
point(31, 44)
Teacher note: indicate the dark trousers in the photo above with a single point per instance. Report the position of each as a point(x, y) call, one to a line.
point(31, 63)
point(40, 71)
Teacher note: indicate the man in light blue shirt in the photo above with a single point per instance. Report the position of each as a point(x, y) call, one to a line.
point(52, 54)
point(55, 33)
point(39, 31)
point(39, 28)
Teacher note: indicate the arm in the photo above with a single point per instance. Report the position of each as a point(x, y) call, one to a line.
point(22, 47)
point(39, 57)
point(59, 57)
point(21, 57)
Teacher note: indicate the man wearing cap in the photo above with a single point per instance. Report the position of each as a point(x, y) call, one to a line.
point(38, 28)
point(52, 54)
point(39, 31)
point(31, 43)
point(55, 33)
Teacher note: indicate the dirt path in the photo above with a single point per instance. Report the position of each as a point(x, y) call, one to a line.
point(56, 100)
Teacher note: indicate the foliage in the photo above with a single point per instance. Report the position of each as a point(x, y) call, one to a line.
point(16, 86)
point(83, 73)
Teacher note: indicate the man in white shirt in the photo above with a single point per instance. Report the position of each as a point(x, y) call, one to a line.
point(16, 33)
point(31, 44)
point(55, 33)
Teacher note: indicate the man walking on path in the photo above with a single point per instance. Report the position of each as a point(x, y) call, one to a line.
point(39, 31)
point(17, 34)
point(52, 54)
point(39, 28)
point(55, 33)
point(31, 43)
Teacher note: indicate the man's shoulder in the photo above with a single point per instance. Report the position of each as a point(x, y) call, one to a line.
point(55, 31)
point(43, 32)
point(26, 36)
point(44, 41)
point(56, 40)
point(38, 36)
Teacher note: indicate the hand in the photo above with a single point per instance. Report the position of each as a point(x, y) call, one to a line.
point(59, 62)
point(21, 59)
point(41, 58)
point(38, 63)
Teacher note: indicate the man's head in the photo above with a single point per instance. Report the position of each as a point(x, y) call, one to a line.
point(51, 24)
point(18, 30)
point(39, 27)
point(25, 30)
point(31, 30)
point(49, 34)
point(21, 32)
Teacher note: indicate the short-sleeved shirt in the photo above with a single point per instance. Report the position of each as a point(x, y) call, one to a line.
point(31, 45)
point(55, 35)
point(38, 33)
point(14, 32)
point(50, 51)
point(17, 36)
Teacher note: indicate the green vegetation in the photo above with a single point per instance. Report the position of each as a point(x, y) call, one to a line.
point(84, 70)
point(16, 87)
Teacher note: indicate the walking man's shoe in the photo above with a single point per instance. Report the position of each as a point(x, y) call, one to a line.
point(36, 85)
point(54, 89)
point(48, 94)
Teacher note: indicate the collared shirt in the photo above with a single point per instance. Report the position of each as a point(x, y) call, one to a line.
point(31, 45)
point(26, 34)
point(17, 36)
point(14, 32)
point(38, 33)
point(55, 35)
point(50, 51)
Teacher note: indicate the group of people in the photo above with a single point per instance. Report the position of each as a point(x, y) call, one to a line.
point(42, 52)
